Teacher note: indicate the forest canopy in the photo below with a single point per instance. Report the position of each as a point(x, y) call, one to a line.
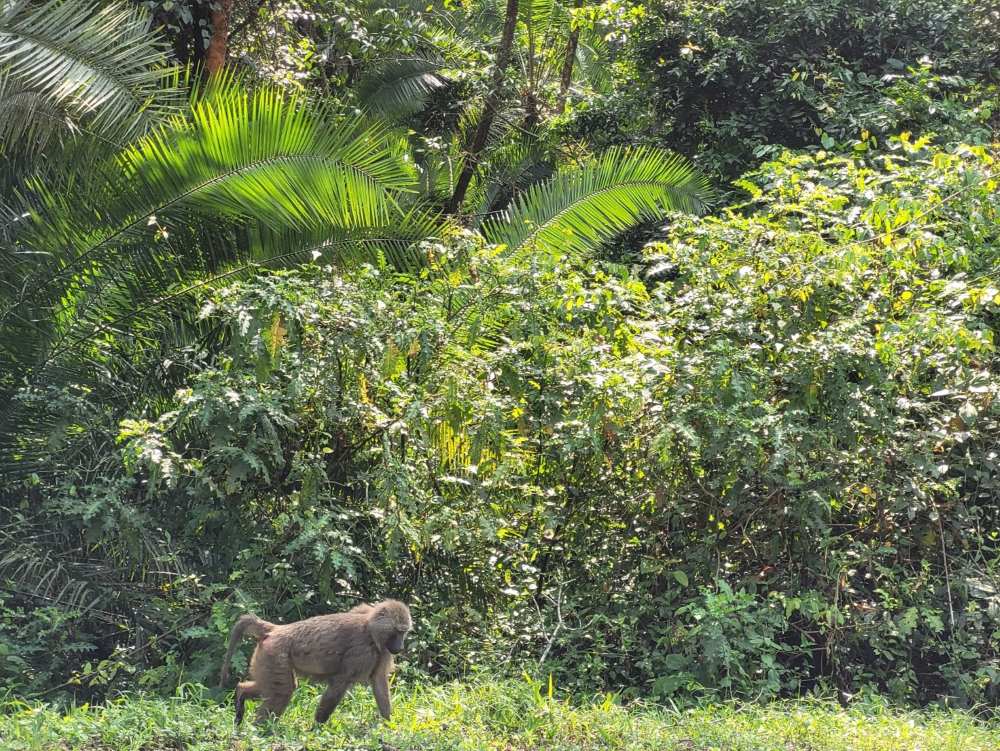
point(648, 345)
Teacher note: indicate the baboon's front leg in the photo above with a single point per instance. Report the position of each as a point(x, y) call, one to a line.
point(380, 687)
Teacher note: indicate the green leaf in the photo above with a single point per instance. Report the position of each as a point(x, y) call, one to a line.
point(267, 156)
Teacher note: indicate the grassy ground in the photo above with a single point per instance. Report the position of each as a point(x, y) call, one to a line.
point(489, 716)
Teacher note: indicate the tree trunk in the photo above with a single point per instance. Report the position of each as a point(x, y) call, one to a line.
point(531, 116)
point(566, 76)
point(215, 58)
point(490, 106)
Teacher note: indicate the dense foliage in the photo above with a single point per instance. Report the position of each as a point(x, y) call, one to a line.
point(249, 360)
point(725, 81)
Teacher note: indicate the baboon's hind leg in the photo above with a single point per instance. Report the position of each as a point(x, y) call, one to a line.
point(272, 706)
point(328, 702)
point(245, 690)
point(276, 683)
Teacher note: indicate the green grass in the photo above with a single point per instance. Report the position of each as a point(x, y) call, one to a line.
point(487, 715)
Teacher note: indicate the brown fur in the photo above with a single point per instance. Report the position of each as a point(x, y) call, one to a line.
point(341, 649)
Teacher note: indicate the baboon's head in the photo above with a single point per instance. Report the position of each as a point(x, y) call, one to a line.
point(389, 624)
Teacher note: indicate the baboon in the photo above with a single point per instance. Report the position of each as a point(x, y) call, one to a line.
point(341, 649)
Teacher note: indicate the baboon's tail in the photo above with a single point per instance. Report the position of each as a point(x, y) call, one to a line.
point(248, 623)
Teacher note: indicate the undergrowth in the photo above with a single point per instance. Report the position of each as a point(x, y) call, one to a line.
point(506, 716)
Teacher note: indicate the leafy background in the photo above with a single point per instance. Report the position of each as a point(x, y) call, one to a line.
point(602, 421)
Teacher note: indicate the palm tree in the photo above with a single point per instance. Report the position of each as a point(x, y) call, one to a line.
point(542, 54)
point(150, 197)
point(470, 157)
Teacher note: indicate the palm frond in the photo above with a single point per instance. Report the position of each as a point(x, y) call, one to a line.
point(593, 62)
point(179, 207)
point(260, 156)
point(98, 60)
point(392, 245)
point(265, 155)
point(501, 129)
point(29, 119)
point(537, 15)
point(581, 208)
point(36, 571)
point(400, 88)
point(149, 290)
point(508, 169)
